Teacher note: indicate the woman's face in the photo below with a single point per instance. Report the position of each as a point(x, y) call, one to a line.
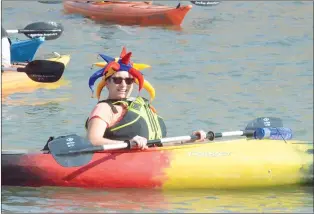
point(120, 85)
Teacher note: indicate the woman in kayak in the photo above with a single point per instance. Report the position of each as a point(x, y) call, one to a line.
point(120, 117)
point(5, 50)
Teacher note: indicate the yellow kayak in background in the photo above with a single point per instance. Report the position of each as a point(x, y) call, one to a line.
point(15, 82)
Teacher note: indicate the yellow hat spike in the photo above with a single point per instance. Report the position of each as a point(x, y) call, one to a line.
point(149, 88)
point(140, 66)
point(102, 83)
point(100, 86)
point(110, 73)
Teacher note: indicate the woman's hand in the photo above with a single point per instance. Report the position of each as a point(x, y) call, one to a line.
point(201, 134)
point(140, 142)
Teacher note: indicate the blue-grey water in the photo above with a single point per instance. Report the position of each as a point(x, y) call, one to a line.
point(225, 66)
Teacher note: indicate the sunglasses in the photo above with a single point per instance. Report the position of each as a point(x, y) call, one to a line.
point(118, 80)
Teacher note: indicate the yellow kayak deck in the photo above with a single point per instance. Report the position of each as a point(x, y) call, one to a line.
point(15, 82)
point(239, 163)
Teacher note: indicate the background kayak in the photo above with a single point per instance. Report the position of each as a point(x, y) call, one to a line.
point(129, 13)
point(38, 32)
point(13, 82)
point(236, 164)
point(25, 50)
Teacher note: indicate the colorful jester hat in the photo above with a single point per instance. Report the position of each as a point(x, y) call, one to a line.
point(122, 64)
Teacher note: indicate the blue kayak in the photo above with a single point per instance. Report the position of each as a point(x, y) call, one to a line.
point(25, 50)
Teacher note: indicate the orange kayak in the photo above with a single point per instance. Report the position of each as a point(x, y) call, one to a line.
point(229, 164)
point(128, 13)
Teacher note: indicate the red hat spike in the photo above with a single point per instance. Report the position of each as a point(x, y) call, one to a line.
point(123, 52)
point(136, 74)
point(126, 59)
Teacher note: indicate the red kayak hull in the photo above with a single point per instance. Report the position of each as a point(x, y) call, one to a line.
point(128, 13)
point(134, 170)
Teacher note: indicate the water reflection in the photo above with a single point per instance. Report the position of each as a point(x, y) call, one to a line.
point(51, 199)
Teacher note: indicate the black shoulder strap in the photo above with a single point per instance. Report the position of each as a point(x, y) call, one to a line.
point(114, 109)
point(86, 123)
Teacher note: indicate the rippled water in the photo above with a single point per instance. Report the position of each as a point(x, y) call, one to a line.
point(80, 200)
point(225, 66)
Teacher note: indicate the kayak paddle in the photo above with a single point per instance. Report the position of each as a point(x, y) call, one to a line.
point(50, 1)
point(205, 3)
point(41, 70)
point(73, 150)
point(48, 30)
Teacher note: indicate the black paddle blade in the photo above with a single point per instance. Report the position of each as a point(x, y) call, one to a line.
point(264, 122)
point(61, 148)
point(49, 30)
point(205, 3)
point(44, 70)
point(310, 151)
